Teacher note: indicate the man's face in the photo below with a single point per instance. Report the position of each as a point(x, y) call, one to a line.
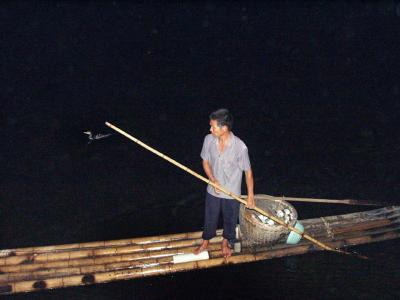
point(215, 129)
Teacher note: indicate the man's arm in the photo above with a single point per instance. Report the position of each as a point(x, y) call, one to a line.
point(209, 173)
point(250, 188)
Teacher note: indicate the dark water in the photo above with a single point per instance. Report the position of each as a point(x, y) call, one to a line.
point(314, 90)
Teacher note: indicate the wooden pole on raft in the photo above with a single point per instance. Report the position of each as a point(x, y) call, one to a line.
point(315, 200)
point(236, 197)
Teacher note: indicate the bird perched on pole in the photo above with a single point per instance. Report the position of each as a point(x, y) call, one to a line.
point(97, 136)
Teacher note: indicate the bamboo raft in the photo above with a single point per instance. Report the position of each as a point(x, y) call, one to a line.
point(50, 267)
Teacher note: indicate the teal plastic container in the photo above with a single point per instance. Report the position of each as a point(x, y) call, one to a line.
point(293, 237)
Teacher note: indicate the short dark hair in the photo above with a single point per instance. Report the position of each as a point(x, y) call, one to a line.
point(223, 118)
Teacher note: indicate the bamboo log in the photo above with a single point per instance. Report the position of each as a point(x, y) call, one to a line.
point(316, 226)
point(333, 226)
point(65, 281)
point(336, 229)
point(342, 220)
point(327, 238)
point(336, 225)
point(225, 191)
point(363, 226)
point(34, 266)
point(43, 273)
point(343, 226)
point(214, 250)
point(371, 229)
point(102, 244)
point(102, 259)
point(68, 255)
point(386, 212)
point(378, 227)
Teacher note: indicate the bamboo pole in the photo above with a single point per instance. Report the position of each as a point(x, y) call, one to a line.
point(222, 189)
point(316, 200)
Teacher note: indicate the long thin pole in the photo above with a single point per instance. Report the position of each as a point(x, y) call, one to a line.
point(222, 189)
point(316, 200)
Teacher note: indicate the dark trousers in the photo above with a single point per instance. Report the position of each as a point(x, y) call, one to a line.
point(230, 215)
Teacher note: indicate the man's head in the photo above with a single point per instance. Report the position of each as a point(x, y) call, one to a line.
point(221, 122)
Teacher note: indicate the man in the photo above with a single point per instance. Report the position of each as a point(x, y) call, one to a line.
point(225, 157)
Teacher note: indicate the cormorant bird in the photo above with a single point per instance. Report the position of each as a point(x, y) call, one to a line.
point(97, 136)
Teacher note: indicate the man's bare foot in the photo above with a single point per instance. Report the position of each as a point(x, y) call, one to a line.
point(202, 247)
point(226, 251)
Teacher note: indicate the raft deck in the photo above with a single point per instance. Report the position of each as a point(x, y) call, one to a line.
point(50, 267)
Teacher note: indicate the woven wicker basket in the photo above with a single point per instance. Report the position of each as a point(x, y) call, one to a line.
point(254, 232)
